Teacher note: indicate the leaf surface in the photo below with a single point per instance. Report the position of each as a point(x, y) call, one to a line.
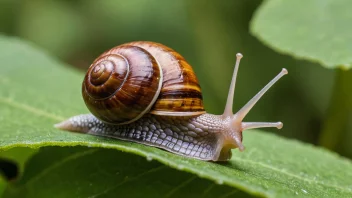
point(17, 155)
point(38, 91)
point(2, 185)
point(64, 172)
point(316, 30)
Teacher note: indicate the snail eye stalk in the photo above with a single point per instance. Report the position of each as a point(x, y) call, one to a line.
point(229, 103)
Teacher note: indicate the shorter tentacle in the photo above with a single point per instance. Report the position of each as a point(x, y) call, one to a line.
point(254, 125)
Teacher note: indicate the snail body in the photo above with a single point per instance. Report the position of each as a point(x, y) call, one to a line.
point(146, 92)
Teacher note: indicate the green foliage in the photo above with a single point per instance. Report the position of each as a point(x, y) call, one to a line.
point(2, 185)
point(315, 30)
point(18, 155)
point(339, 110)
point(32, 102)
point(84, 172)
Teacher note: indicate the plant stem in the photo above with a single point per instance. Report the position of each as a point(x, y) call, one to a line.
point(339, 109)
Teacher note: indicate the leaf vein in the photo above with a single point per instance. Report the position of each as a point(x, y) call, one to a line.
point(210, 187)
point(30, 109)
point(232, 192)
point(180, 186)
point(60, 163)
point(128, 180)
point(293, 175)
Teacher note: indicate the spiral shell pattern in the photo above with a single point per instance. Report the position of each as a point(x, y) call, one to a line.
point(132, 79)
point(122, 84)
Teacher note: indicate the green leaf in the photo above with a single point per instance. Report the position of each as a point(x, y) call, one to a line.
point(64, 173)
point(315, 30)
point(2, 185)
point(18, 155)
point(38, 91)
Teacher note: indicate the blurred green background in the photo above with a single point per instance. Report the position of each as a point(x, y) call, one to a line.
point(207, 33)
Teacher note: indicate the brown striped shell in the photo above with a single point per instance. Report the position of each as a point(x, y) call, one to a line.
point(141, 77)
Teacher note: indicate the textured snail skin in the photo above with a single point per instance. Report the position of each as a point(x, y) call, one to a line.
point(204, 137)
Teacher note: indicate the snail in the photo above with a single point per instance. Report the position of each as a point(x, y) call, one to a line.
point(147, 93)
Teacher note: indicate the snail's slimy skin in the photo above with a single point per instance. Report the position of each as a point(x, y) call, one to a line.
point(205, 137)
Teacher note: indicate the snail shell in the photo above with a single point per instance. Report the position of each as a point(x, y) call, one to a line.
point(136, 78)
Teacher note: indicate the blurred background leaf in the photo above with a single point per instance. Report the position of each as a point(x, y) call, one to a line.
point(2, 185)
point(15, 160)
point(315, 30)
